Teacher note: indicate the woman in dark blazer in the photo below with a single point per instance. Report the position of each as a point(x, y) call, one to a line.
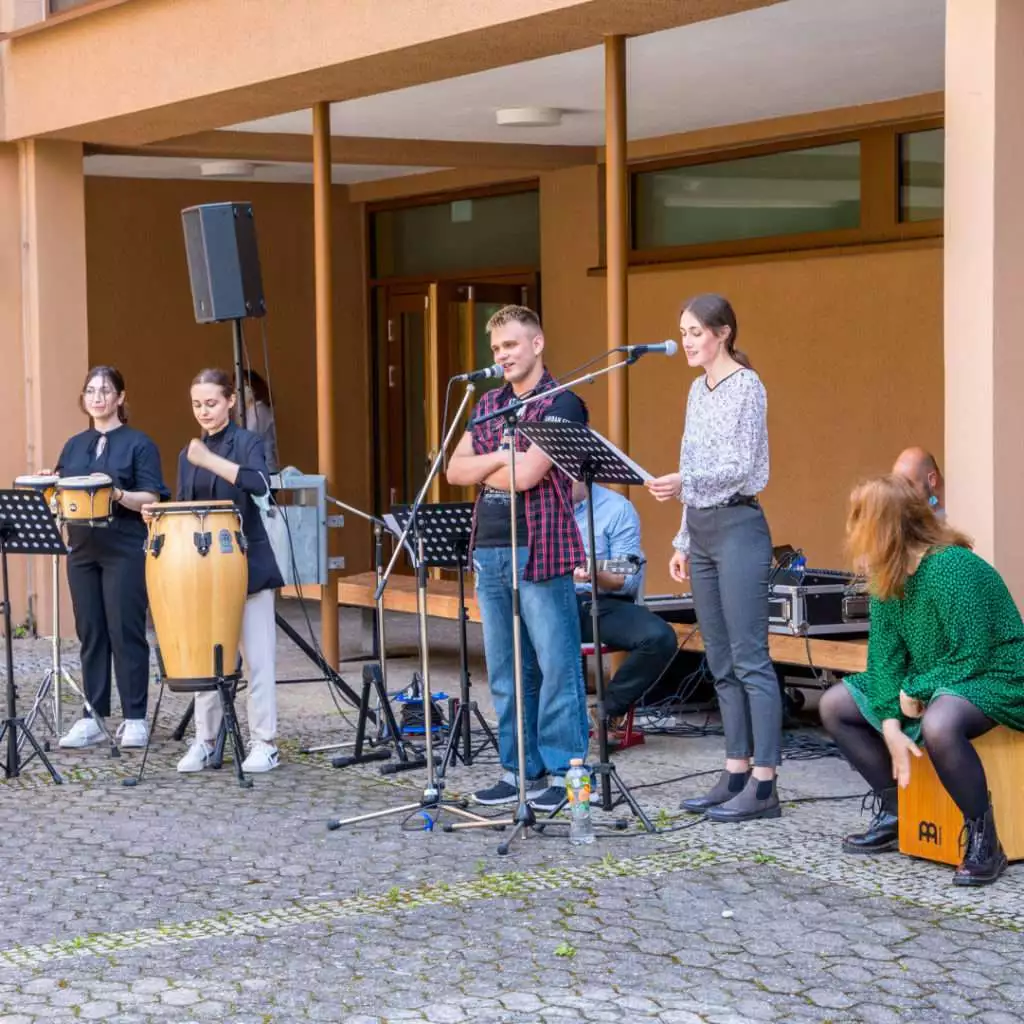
point(229, 463)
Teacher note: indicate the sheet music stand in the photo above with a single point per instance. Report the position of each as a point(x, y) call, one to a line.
point(26, 528)
point(583, 454)
point(446, 530)
point(434, 541)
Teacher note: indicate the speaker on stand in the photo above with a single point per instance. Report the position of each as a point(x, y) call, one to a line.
point(224, 273)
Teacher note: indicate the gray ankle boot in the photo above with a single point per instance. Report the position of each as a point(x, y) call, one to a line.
point(729, 784)
point(759, 799)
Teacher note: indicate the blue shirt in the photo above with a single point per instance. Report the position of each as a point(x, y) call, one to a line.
point(616, 532)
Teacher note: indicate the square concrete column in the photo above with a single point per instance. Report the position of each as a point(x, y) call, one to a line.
point(984, 279)
point(44, 336)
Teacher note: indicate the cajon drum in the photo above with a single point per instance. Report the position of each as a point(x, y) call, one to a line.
point(930, 822)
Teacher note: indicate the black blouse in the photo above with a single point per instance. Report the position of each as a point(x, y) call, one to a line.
point(129, 457)
point(245, 449)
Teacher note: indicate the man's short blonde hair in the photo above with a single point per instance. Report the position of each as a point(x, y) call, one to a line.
point(515, 314)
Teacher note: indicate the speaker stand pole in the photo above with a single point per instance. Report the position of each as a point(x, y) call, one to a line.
point(236, 337)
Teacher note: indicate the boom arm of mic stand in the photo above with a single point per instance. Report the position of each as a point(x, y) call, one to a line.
point(357, 512)
point(519, 404)
point(442, 448)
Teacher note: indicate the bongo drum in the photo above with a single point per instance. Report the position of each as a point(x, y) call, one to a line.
point(44, 484)
point(197, 576)
point(85, 500)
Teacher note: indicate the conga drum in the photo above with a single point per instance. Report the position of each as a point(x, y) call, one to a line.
point(85, 500)
point(43, 484)
point(197, 577)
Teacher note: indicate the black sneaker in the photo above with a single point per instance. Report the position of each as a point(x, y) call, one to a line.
point(550, 800)
point(505, 791)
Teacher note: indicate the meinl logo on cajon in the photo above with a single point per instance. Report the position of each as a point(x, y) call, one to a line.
point(929, 832)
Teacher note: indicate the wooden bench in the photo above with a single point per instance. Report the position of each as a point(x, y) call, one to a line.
point(930, 822)
point(443, 602)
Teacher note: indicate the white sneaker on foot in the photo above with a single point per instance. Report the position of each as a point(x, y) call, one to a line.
point(84, 733)
point(263, 757)
point(133, 732)
point(197, 758)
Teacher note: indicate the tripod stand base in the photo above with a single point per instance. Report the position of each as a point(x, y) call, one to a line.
point(15, 732)
point(431, 803)
point(610, 777)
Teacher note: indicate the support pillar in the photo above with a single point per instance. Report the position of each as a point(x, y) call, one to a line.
point(325, 413)
point(984, 267)
point(616, 234)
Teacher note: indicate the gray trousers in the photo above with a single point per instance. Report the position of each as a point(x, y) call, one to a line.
point(730, 559)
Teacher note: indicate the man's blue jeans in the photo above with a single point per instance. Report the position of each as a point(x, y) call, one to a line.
point(554, 694)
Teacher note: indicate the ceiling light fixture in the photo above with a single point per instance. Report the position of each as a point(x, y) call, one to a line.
point(227, 169)
point(529, 117)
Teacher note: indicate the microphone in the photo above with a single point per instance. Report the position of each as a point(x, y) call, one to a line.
point(491, 371)
point(666, 348)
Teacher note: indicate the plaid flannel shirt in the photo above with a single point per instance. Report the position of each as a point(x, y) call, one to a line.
point(553, 538)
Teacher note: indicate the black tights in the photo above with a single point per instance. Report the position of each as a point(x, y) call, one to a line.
point(948, 726)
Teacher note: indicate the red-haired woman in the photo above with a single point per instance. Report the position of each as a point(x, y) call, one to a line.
point(107, 564)
point(945, 664)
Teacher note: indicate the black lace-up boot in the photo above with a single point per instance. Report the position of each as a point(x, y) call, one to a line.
point(883, 832)
point(984, 860)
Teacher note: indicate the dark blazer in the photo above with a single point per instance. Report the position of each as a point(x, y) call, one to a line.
point(246, 449)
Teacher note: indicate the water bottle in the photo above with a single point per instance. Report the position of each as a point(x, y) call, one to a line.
point(577, 792)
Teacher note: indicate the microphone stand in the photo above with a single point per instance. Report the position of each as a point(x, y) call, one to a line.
point(525, 819)
point(433, 792)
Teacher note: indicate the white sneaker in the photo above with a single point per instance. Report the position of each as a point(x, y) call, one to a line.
point(84, 733)
point(263, 757)
point(197, 758)
point(133, 732)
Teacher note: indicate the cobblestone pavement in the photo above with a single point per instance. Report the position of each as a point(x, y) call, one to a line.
point(186, 899)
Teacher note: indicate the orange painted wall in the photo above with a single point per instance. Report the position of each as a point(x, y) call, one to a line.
point(141, 319)
point(849, 345)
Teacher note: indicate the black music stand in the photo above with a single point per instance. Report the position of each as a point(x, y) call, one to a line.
point(446, 530)
point(26, 528)
point(583, 454)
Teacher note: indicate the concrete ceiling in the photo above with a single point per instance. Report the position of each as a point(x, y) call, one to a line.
point(102, 165)
point(790, 58)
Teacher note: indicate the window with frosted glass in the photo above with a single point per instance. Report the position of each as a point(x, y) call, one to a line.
point(789, 193)
point(922, 175)
point(461, 235)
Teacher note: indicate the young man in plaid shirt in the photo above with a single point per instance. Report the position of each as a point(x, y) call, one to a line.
point(549, 549)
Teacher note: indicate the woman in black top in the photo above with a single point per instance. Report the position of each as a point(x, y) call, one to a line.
point(107, 564)
point(229, 464)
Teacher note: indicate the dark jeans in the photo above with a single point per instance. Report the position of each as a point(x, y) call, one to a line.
point(627, 626)
point(107, 579)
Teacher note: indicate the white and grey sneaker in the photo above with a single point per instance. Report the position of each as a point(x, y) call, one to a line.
point(197, 758)
point(133, 732)
point(263, 757)
point(84, 733)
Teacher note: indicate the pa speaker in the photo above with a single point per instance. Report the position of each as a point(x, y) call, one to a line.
point(223, 262)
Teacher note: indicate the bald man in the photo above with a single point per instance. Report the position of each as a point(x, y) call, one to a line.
point(921, 469)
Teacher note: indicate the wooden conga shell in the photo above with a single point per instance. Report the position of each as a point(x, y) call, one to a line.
point(930, 822)
point(196, 599)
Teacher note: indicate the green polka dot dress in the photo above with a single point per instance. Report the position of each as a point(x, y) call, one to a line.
point(956, 630)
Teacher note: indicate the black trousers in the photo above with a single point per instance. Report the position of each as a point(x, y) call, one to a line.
point(627, 626)
point(107, 578)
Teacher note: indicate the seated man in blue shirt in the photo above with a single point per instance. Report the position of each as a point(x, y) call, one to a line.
point(625, 625)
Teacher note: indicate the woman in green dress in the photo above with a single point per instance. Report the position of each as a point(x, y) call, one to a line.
point(945, 665)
